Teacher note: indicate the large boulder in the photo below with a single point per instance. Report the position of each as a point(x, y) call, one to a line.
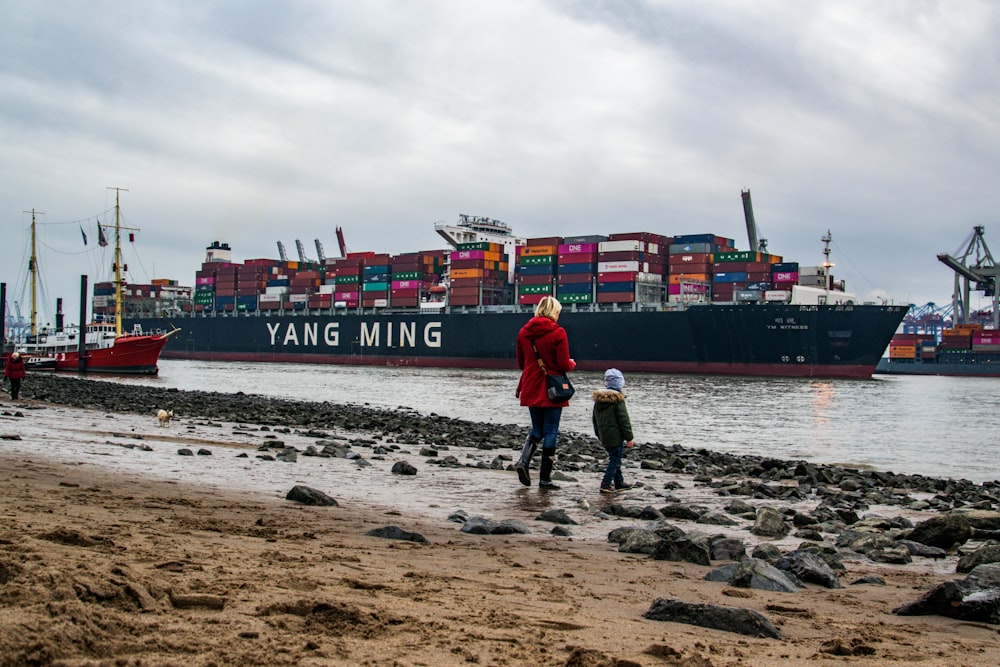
point(770, 523)
point(809, 567)
point(727, 619)
point(975, 598)
point(946, 531)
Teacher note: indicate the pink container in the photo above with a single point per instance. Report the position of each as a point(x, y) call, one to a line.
point(986, 338)
point(345, 296)
point(406, 284)
point(574, 248)
point(468, 254)
point(206, 280)
point(785, 277)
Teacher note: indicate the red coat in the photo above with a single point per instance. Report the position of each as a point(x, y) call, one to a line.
point(14, 369)
point(553, 348)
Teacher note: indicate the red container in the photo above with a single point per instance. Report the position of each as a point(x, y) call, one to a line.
point(403, 293)
point(577, 258)
point(405, 301)
point(617, 276)
point(690, 258)
point(464, 291)
point(615, 297)
point(622, 256)
point(690, 269)
point(463, 300)
point(574, 278)
point(548, 240)
point(536, 280)
point(530, 299)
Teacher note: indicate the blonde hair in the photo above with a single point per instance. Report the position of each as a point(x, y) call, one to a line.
point(548, 307)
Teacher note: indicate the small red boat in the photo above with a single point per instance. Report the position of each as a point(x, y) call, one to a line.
point(105, 347)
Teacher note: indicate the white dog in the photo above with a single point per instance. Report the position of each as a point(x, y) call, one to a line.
point(165, 416)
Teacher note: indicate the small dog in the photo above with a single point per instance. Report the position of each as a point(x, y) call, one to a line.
point(165, 416)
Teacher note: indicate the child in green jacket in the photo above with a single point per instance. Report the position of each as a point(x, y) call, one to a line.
point(613, 428)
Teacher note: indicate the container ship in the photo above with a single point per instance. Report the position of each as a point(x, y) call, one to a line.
point(971, 345)
point(638, 301)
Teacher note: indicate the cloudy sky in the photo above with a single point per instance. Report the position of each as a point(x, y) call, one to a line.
point(255, 121)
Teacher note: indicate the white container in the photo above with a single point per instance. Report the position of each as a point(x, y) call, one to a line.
point(620, 246)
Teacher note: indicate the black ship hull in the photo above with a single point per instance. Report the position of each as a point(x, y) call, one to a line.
point(754, 339)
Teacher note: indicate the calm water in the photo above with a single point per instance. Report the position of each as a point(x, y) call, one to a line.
point(939, 426)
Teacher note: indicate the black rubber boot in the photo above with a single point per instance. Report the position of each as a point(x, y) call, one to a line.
point(545, 474)
point(530, 445)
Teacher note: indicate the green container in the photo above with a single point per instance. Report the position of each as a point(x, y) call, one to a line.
point(347, 280)
point(536, 260)
point(479, 245)
point(534, 289)
point(575, 298)
point(738, 256)
point(375, 287)
point(408, 275)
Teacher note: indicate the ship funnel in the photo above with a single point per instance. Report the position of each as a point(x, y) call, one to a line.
point(59, 315)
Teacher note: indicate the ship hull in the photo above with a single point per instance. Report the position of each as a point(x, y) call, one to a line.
point(755, 339)
point(129, 355)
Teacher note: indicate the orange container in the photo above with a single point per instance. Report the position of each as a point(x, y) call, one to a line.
point(467, 273)
point(531, 250)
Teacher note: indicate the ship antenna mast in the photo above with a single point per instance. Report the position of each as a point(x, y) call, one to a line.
point(827, 264)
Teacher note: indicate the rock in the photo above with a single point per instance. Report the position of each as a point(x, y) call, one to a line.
point(727, 548)
point(740, 508)
point(894, 555)
point(770, 523)
point(561, 531)
point(682, 511)
point(556, 516)
point(396, 533)
point(809, 567)
point(957, 599)
point(184, 451)
point(872, 579)
point(766, 551)
point(309, 496)
point(403, 468)
point(946, 531)
point(639, 541)
point(727, 619)
point(683, 549)
point(759, 574)
point(204, 452)
point(427, 451)
point(716, 518)
point(287, 455)
point(918, 549)
point(986, 554)
point(478, 525)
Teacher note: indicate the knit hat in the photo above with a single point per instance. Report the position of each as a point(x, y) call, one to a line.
point(613, 379)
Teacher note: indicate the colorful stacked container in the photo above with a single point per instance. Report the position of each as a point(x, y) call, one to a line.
point(536, 269)
point(478, 275)
point(576, 269)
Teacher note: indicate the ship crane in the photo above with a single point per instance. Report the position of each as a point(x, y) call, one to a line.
point(281, 252)
point(973, 265)
point(756, 244)
point(320, 255)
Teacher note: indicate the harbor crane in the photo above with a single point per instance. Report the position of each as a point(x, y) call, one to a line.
point(281, 252)
point(756, 244)
point(302, 251)
point(973, 266)
point(319, 252)
point(340, 242)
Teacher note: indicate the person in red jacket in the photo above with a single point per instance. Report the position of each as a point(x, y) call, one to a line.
point(15, 371)
point(550, 339)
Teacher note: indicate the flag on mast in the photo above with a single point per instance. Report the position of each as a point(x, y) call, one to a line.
point(101, 240)
point(84, 235)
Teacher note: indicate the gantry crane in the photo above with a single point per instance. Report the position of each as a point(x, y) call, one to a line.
point(973, 265)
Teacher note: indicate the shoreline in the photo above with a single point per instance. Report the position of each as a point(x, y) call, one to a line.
point(151, 550)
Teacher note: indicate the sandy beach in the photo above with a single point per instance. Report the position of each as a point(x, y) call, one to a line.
point(162, 561)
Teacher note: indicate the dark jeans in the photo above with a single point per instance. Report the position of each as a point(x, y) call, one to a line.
point(15, 388)
point(545, 426)
point(613, 473)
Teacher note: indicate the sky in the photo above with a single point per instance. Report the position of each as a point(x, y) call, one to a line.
point(252, 122)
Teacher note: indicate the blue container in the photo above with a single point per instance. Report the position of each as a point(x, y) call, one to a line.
point(616, 287)
point(785, 267)
point(538, 270)
point(585, 267)
point(376, 277)
point(376, 268)
point(733, 277)
point(278, 282)
point(694, 238)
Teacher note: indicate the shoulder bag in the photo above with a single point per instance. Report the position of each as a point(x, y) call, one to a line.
point(559, 387)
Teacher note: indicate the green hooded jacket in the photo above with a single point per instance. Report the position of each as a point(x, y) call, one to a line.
point(611, 423)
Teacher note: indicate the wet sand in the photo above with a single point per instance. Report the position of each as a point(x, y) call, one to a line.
point(114, 550)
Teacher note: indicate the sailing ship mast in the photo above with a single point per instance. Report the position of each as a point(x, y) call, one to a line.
point(33, 270)
point(119, 285)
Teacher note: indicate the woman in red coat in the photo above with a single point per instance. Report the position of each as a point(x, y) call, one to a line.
point(553, 348)
point(15, 371)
